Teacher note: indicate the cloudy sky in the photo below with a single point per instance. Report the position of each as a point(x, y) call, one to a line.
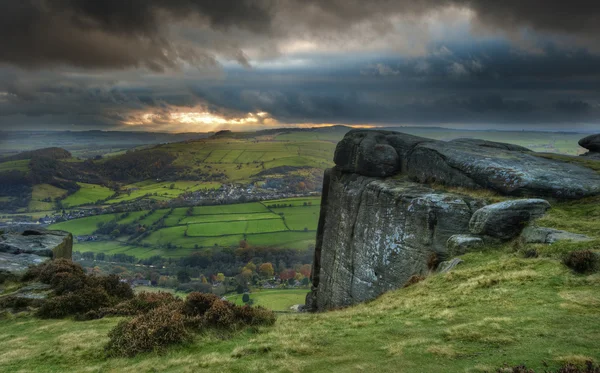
point(201, 65)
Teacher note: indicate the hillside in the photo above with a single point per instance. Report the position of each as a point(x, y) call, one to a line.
point(494, 309)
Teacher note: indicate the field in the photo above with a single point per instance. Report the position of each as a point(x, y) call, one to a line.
point(242, 159)
point(207, 226)
point(87, 194)
point(277, 300)
point(43, 192)
point(83, 226)
point(20, 165)
point(162, 190)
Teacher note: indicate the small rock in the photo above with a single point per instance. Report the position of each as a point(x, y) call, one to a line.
point(550, 235)
point(591, 143)
point(449, 265)
point(461, 243)
point(506, 220)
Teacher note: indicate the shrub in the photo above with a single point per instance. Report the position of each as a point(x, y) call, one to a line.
point(76, 293)
point(433, 261)
point(151, 331)
point(113, 286)
point(47, 271)
point(141, 303)
point(221, 315)
point(414, 279)
point(582, 261)
point(19, 303)
point(254, 316)
point(196, 304)
point(78, 302)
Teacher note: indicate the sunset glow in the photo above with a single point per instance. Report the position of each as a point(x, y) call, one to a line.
point(195, 120)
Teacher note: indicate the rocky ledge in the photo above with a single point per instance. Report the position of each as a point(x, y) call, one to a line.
point(381, 223)
point(18, 251)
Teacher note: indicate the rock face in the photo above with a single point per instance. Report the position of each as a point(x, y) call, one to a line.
point(18, 251)
point(375, 234)
point(506, 220)
point(379, 225)
point(591, 143)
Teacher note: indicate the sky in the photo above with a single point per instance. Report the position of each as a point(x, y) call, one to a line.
point(205, 65)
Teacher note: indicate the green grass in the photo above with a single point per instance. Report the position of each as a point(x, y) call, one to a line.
point(276, 299)
point(298, 218)
point(88, 194)
point(41, 192)
point(21, 165)
point(217, 229)
point(131, 217)
point(83, 226)
point(228, 217)
point(162, 190)
point(295, 202)
point(496, 308)
point(241, 208)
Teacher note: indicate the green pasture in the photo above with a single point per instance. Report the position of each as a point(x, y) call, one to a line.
point(83, 226)
point(20, 165)
point(274, 299)
point(87, 194)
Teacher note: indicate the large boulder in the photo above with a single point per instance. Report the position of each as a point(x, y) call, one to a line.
point(18, 251)
point(490, 144)
point(506, 220)
point(374, 153)
point(591, 143)
point(375, 234)
point(504, 171)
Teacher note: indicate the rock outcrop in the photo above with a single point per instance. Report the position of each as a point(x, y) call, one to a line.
point(18, 251)
point(380, 225)
point(591, 143)
point(506, 220)
point(510, 173)
point(478, 164)
point(375, 234)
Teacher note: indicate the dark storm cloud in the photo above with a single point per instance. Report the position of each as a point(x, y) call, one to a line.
point(134, 33)
point(116, 33)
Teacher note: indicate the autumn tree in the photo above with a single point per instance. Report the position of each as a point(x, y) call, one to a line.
point(266, 270)
point(305, 270)
point(287, 274)
point(220, 277)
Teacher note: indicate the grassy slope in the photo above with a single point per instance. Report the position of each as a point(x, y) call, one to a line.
point(87, 194)
point(493, 309)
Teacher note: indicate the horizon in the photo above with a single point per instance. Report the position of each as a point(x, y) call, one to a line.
point(385, 127)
